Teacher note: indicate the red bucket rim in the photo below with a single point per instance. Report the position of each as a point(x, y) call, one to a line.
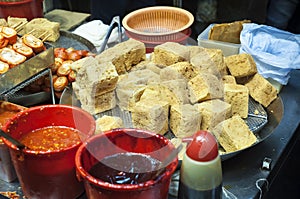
point(34, 152)
point(117, 187)
point(17, 2)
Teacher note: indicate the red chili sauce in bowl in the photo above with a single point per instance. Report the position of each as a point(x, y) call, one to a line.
point(51, 138)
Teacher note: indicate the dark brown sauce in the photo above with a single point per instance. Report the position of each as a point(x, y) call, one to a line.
point(125, 168)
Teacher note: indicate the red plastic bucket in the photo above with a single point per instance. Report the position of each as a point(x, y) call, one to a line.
point(96, 148)
point(48, 174)
point(24, 8)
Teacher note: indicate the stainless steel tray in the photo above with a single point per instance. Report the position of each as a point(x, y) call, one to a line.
point(261, 121)
point(29, 99)
point(66, 40)
point(13, 81)
point(16, 76)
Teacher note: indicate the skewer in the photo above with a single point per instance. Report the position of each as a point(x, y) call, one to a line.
point(20, 27)
point(46, 37)
point(31, 31)
point(16, 25)
point(40, 36)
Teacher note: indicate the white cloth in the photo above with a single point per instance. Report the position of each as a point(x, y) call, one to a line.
point(95, 31)
point(276, 52)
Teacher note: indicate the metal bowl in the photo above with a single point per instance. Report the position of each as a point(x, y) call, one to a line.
point(275, 112)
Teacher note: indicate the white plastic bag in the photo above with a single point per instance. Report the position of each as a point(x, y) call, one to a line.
point(276, 52)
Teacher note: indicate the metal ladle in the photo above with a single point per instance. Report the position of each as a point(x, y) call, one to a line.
point(18, 144)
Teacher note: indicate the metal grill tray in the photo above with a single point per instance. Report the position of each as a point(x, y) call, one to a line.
point(14, 80)
point(261, 121)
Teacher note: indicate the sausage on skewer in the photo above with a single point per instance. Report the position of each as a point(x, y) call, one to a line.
point(3, 67)
point(36, 44)
point(11, 57)
point(23, 49)
point(10, 34)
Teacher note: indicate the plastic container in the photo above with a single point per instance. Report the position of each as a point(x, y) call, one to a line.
point(7, 170)
point(120, 141)
point(226, 47)
point(201, 171)
point(48, 174)
point(24, 8)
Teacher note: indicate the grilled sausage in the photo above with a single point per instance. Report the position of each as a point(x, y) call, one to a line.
point(60, 83)
point(3, 41)
point(11, 57)
point(3, 67)
point(65, 68)
point(23, 49)
point(35, 43)
point(10, 34)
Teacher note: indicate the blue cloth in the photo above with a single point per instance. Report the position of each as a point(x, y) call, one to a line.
point(276, 52)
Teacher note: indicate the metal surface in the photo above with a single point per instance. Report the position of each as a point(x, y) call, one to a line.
point(274, 112)
point(260, 121)
point(71, 40)
point(17, 76)
point(29, 99)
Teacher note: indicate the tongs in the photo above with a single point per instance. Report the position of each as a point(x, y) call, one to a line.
point(15, 142)
point(115, 21)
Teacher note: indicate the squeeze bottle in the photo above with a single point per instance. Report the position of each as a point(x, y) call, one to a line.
point(201, 170)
